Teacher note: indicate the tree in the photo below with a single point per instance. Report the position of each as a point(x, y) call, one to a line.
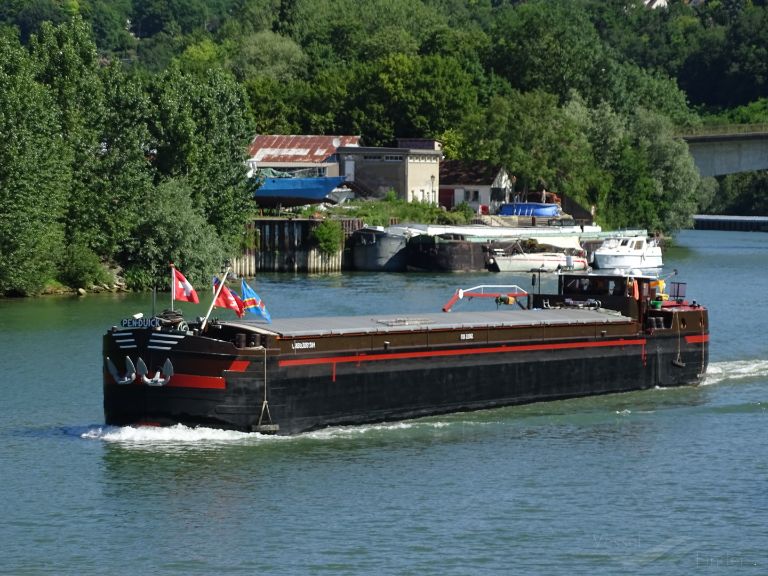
point(150, 17)
point(323, 103)
point(250, 16)
point(270, 55)
point(469, 46)
point(109, 19)
point(122, 183)
point(346, 31)
point(534, 139)
point(548, 45)
point(408, 96)
point(201, 133)
point(653, 180)
point(386, 41)
point(671, 168)
point(658, 40)
point(201, 56)
point(743, 194)
point(35, 173)
point(66, 62)
point(29, 15)
point(753, 113)
point(274, 105)
point(748, 56)
point(157, 52)
point(701, 67)
point(628, 87)
point(173, 230)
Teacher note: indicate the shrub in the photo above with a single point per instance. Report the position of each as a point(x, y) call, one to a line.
point(465, 210)
point(177, 232)
point(329, 236)
point(82, 268)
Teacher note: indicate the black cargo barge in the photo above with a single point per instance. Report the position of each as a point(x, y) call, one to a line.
point(599, 334)
point(451, 252)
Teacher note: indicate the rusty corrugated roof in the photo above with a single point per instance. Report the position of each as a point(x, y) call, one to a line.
point(477, 172)
point(266, 148)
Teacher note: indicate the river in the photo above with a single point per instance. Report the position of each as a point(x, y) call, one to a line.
point(666, 481)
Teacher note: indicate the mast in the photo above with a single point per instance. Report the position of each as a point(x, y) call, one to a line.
point(173, 285)
point(215, 296)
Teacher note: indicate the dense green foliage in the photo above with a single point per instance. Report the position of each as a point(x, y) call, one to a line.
point(124, 123)
point(80, 267)
point(172, 229)
point(35, 176)
point(100, 164)
point(740, 194)
point(329, 236)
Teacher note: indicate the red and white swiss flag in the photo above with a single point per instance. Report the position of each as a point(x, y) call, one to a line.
point(228, 299)
point(182, 289)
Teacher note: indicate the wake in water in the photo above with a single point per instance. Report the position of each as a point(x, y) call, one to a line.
point(357, 431)
point(180, 435)
point(718, 372)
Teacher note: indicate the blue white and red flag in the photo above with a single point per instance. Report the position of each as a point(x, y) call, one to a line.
point(253, 303)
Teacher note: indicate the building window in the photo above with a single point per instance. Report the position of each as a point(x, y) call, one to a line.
point(475, 195)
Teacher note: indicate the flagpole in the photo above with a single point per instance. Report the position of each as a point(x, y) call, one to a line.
point(215, 296)
point(173, 285)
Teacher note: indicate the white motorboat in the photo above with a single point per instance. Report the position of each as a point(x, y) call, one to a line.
point(546, 255)
point(629, 252)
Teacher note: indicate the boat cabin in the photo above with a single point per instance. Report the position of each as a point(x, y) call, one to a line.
point(631, 295)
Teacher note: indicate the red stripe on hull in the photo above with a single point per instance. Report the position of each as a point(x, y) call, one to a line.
point(239, 365)
point(193, 381)
point(697, 339)
point(463, 352)
point(208, 382)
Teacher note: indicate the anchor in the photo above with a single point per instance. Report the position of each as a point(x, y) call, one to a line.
point(157, 379)
point(130, 371)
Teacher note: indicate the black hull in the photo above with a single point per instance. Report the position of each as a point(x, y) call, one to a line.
point(313, 392)
point(434, 254)
point(379, 252)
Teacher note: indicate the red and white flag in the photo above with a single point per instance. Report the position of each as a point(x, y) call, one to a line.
point(182, 289)
point(228, 299)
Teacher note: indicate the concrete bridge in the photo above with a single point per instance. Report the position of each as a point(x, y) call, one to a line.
point(728, 149)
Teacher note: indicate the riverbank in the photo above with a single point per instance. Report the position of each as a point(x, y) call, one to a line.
point(61, 290)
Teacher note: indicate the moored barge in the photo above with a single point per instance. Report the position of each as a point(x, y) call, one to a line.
point(598, 334)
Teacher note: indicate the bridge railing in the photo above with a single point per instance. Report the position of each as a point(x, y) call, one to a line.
point(723, 129)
